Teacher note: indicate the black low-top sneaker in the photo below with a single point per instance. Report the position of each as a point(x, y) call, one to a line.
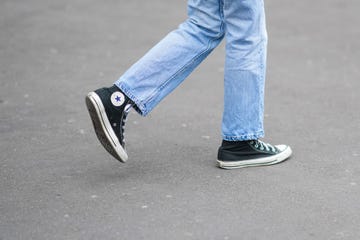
point(252, 153)
point(108, 108)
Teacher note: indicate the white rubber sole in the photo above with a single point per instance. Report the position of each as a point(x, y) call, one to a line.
point(266, 161)
point(103, 129)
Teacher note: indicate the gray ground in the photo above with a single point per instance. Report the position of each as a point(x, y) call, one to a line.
point(56, 181)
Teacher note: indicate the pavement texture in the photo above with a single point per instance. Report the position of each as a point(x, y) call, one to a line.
point(56, 181)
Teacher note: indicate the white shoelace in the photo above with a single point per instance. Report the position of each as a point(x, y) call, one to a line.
point(263, 146)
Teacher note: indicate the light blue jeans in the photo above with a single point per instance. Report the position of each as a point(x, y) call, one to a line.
point(167, 64)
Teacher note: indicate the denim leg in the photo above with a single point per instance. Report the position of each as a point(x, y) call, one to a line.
point(169, 62)
point(245, 63)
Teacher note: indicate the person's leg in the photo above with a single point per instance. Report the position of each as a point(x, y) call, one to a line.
point(245, 62)
point(156, 74)
point(167, 64)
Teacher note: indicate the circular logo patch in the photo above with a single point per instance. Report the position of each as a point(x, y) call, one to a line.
point(117, 99)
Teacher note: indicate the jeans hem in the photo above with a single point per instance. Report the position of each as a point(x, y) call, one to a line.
point(245, 137)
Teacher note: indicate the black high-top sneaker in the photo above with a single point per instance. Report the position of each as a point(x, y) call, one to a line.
point(252, 153)
point(108, 108)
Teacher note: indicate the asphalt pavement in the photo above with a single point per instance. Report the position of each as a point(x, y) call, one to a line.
point(57, 182)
